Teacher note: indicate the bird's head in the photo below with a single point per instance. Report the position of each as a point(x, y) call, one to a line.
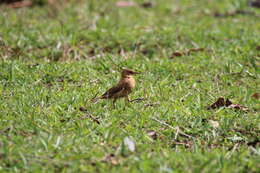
point(128, 72)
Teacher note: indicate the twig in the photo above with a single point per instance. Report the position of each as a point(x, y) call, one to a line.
point(171, 127)
point(151, 104)
point(137, 100)
point(177, 133)
point(255, 151)
point(94, 96)
point(91, 117)
point(228, 155)
point(88, 115)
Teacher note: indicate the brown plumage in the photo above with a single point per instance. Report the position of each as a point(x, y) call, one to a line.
point(123, 88)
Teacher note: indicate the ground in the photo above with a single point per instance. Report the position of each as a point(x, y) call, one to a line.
point(55, 58)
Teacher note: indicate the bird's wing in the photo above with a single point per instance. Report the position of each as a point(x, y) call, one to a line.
point(113, 91)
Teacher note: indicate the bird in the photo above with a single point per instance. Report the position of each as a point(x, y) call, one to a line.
point(123, 88)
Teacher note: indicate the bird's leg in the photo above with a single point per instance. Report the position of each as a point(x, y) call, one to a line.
point(127, 99)
point(114, 101)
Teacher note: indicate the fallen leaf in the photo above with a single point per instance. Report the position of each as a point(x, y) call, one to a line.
point(176, 54)
point(214, 124)
point(228, 102)
point(239, 107)
point(256, 96)
point(125, 4)
point(222, 103)
point(219, 103)
point(234, 13)
point(255, 3)
point(63, 120)
point(129, 142)
point(82, 109)
point(152, 134)
point(147, 5)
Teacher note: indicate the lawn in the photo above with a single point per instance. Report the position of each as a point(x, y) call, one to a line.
point(55, 58)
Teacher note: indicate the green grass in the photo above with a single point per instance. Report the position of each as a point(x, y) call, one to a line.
point(55, 59)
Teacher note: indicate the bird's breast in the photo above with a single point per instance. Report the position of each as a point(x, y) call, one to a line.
point(128, 82)
point(131, 82)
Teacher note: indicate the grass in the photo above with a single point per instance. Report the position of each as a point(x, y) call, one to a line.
point(54, 59)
